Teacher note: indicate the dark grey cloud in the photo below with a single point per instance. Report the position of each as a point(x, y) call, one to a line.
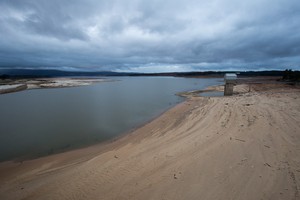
point(140, 35)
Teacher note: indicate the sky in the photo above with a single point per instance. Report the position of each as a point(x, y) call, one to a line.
point(150, 35)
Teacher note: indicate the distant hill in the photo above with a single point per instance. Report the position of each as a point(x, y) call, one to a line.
point(45, 73)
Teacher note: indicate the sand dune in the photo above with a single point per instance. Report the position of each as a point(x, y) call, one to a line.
point(242, 147)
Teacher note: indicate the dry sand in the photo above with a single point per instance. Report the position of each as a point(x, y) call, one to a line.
point(242, 147)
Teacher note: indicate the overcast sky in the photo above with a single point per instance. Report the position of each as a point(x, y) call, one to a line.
point(150, 35)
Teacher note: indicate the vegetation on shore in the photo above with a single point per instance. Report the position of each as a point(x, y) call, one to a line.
point(290, 75)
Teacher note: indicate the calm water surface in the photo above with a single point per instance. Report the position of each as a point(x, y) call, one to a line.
point(45, 121)
point(212, 94)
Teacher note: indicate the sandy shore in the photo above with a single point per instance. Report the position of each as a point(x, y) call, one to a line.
point(242, 147)
point(12, 88)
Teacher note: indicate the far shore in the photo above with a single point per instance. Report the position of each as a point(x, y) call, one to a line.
point(244, 146)
point(16, 85)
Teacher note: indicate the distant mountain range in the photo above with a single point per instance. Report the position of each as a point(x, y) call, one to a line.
point(45, 73)
point(32, 73)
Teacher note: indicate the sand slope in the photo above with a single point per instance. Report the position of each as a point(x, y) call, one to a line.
point(241, 147)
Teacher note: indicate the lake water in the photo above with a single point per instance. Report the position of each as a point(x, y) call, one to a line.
point(45, 121)
point(211, 94)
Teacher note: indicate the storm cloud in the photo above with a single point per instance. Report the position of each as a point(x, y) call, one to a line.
point(150, 36)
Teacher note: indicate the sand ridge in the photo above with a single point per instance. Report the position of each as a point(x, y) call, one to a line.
point(240, 147)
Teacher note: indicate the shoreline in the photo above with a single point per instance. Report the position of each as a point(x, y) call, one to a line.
point(202, 142)
point(24, 158)
point(83, 154)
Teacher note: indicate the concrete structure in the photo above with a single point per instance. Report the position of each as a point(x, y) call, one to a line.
point(230, 81)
